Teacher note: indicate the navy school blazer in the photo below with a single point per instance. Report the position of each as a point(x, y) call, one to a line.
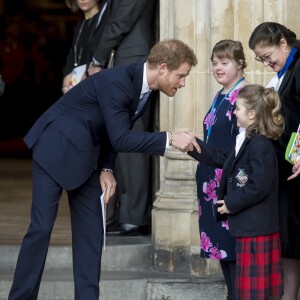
point(249, 185)
point(88, 125)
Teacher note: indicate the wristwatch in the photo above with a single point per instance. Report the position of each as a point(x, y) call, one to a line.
point(96, 64)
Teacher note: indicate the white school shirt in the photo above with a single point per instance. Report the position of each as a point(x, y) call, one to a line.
point(239, 141)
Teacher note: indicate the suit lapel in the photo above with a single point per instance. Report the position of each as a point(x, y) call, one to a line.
point(137, 79)
point(246, 141)
point(288, 73)
point(141, 110)
point(229, 165)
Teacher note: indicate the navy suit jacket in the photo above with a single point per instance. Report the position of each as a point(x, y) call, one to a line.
point(249, 185)
point(88, 125)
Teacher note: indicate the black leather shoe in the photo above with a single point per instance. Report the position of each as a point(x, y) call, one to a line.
point(111, 222)
point(123, 229)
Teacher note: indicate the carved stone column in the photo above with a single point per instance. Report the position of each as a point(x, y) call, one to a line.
point(175, 216)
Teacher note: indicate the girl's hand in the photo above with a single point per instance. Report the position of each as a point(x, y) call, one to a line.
point(222, 208)
point(295, 170)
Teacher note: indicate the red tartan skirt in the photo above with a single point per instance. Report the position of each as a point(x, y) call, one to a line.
point(258, 268)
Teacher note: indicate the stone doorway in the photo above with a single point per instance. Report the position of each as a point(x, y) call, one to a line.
point(15, 203)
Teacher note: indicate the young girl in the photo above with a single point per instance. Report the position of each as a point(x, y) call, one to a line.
point(248, 190)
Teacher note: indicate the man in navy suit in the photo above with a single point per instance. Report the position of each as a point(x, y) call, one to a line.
point(74, 146)
point(129, 30)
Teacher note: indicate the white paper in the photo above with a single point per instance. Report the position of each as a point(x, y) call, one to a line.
point(77, 74)
point(103, 206)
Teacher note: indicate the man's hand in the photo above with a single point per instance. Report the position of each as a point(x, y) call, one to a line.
point(295, 170)
point(108, 184)
point(184, 141)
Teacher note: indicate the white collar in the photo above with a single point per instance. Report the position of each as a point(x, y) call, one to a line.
point(275, 82)
point(145, 86)
point(239, 141)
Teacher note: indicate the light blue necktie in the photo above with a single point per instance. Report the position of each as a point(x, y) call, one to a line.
point(142, 103)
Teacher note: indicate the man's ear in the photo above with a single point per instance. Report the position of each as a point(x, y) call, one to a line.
point(163, 68)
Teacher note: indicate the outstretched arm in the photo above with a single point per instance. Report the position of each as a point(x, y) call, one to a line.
point(209, 155)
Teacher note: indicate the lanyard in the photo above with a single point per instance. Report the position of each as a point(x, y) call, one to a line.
point(77, 58)
point(214, 104)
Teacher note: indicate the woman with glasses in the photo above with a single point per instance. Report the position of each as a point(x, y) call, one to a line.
point(277, 47)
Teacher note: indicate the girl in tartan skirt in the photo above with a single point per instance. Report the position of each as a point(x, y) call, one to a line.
point(248, 190)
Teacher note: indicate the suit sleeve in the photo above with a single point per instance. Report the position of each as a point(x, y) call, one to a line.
point(124, 15)
point(107, 157)
point(209, 155)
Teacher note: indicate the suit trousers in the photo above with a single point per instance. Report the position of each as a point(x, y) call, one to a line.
point(87, 236)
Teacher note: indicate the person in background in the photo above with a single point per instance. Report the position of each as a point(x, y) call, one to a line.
point(130, 33)
point(220, 130)
point(248, 195)
point(75, 143)
point(277, 47)
point(85, 39)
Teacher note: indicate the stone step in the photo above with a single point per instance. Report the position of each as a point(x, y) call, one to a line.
point(128, 285)
point(121, 253)
point(126, 273)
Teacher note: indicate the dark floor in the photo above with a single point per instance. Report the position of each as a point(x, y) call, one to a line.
point(15, 202)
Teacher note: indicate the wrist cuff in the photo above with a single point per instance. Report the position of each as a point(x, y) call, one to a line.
point(171, 138)
point(107, 170)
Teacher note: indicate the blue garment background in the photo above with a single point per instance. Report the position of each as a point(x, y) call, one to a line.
point(223, 134)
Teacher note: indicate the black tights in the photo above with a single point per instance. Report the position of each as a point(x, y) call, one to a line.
point(228, 269)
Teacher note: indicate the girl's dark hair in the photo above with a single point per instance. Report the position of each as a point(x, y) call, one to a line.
point(230, 49)
point(270, 34)
point(266, 104)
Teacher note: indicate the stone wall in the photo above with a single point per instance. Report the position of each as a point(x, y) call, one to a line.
point(200, 23)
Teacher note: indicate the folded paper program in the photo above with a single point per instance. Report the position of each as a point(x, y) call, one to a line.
point(77, 74)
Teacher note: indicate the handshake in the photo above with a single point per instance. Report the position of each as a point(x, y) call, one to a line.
point(184, 141)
